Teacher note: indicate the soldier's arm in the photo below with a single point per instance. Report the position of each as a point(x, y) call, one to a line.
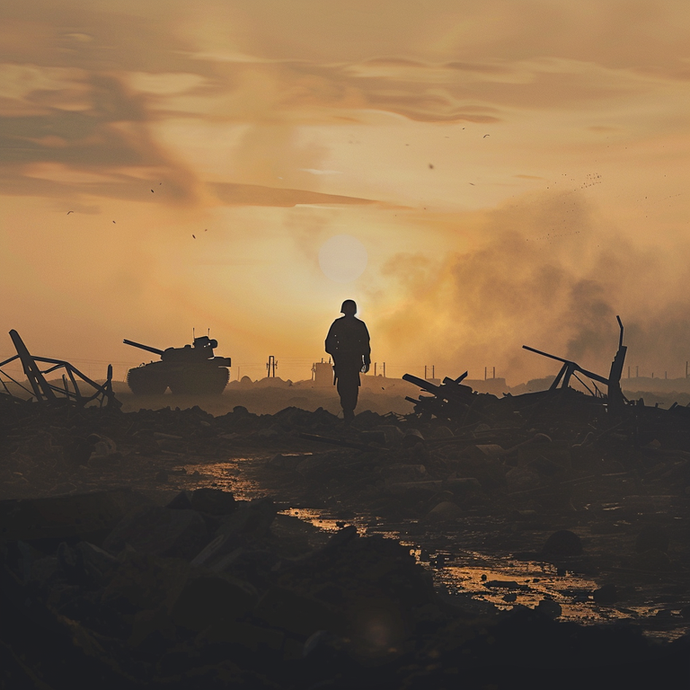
point(331, 340)
point(366, 347)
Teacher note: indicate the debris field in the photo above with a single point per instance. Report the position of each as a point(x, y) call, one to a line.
point(165, 548)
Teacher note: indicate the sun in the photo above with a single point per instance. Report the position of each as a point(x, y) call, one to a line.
point(343, 258)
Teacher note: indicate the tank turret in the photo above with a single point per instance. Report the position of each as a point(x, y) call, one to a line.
point(192, 369)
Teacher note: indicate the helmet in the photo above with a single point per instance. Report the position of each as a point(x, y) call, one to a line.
point(349, 306)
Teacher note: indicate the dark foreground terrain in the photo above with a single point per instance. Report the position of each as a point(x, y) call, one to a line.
point(172, 548)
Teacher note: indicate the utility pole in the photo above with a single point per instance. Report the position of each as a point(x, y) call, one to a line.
point(494, 376)
point(271, 366)
point(485, 373)
point(384, 370)
point(374, 368)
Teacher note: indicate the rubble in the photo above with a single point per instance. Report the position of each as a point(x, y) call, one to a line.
point(182, 580)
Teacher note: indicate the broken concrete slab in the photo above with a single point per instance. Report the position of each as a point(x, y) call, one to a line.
point(160, 531)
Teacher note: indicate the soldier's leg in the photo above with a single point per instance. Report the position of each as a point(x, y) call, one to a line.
point(348, 389)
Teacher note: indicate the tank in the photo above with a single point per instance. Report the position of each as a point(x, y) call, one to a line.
point(192, 369)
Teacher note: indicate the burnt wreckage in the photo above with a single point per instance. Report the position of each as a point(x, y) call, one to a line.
point(185, 370)
point(455, 402)
point(46, 393)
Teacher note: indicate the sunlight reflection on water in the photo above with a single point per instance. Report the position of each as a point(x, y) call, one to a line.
point(501, 581)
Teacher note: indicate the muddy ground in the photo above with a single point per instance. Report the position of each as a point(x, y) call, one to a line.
point(395, 552)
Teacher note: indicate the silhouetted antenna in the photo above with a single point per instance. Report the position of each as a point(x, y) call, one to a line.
point(271, 366)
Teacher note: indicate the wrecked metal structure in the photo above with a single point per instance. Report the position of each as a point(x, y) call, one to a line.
point(45, 393)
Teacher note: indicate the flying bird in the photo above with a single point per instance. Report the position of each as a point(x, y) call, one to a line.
point(113, 221)
point(485, 136)
point(68, 212)
point(431, 167)
point(152, 191)
point(194, 236)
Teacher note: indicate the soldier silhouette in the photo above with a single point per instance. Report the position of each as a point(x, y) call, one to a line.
point(348, 343)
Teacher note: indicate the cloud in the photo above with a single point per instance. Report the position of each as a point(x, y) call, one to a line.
point(95, 126)
point(258, 195)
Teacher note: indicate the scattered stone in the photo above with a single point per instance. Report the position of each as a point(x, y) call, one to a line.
point(444, 511)
point(606, 594)
point(213, 501)
point(160, 531)
point(563, 543)
point(549, 608)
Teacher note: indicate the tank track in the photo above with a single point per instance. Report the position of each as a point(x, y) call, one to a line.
point(147, 380)
point(198, 379)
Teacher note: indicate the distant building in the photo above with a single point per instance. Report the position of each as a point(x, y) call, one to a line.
point(322, 373)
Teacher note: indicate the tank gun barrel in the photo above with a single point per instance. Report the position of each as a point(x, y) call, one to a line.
point(148, 348)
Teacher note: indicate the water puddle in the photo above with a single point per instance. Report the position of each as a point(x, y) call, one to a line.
point(494, 579)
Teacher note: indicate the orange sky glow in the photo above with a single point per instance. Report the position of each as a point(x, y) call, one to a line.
point(494, 174)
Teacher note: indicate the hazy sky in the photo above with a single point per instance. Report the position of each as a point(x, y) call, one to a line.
point(476, 175)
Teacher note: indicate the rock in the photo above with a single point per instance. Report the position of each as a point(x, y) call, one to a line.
point(522, 478)
point(341, 537)
point(562, 543)
point(446, 510)
point(442, 432)
point(271, 432)
point(209, 598)
point(98, 562)
point(160, 531)
point(183, 501)
point(412, 437)
point(549, 608)
point(213, 501)
point(102, 447)
point(250, 520)
point(392, 433)
point(606, 594)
